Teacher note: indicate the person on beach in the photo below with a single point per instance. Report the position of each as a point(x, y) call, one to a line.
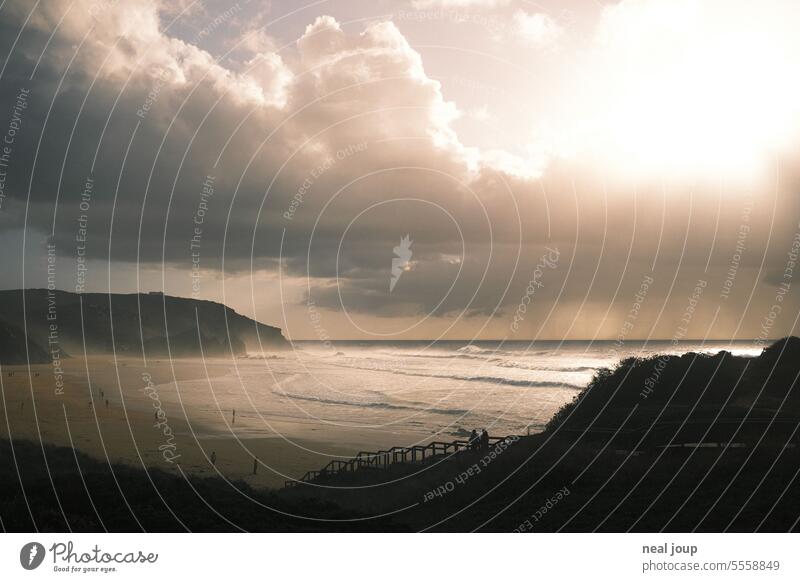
point(106, 402)
point(255, 465)
point(234, 416)
point(484, 439)
point(473, 440)
point(214, 458)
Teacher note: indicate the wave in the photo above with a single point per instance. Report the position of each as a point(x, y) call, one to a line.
point(515, 382)
point(388, 367)
point(478, 351)
point(383, 405)
point(436, 356)
point(260, 356)
point(470, 352)
point(477, 378)
point(496, 357)
point(524, 366)
point(473, 350)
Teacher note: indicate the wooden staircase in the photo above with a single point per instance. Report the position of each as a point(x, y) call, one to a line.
point(385, 459)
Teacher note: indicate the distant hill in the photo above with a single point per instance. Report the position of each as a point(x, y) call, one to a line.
point(127, 324)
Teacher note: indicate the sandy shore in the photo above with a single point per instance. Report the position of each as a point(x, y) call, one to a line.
point(145, 424)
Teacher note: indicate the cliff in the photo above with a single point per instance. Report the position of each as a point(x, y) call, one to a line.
point(129, 323)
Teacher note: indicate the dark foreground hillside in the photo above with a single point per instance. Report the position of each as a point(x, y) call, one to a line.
point(84, 495)
point(684, 443)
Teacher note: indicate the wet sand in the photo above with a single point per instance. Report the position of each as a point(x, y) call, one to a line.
point(131, 430)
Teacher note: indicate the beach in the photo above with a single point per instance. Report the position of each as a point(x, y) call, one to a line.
point(294, 412)
point(129, 430)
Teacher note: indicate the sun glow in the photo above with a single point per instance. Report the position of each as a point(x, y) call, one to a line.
point(685, 92)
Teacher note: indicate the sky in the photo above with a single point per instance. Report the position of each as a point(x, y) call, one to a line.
point(423, 169)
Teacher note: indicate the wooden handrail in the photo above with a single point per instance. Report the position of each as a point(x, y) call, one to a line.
point(394, 455)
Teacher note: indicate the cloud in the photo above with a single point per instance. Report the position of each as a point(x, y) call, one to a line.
point(459, 3)
point(148, 117)
point(537, 29)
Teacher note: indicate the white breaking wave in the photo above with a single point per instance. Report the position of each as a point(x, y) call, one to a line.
point(514, 382)
point(421, 406)
point(260, 356)
point(477, 351)
point(522, 382)
point(538, 367)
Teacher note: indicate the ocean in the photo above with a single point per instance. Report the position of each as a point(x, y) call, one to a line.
point(438, 390)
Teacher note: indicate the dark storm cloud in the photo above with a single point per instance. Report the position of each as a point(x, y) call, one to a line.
point(300, 164)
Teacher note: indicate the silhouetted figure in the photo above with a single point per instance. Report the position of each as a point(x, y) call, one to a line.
point(106, 402)
point(255, 465)
point(234, 417)
point(484, 439)
point(473, 440)
point(213, 458)
point(155, 415)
